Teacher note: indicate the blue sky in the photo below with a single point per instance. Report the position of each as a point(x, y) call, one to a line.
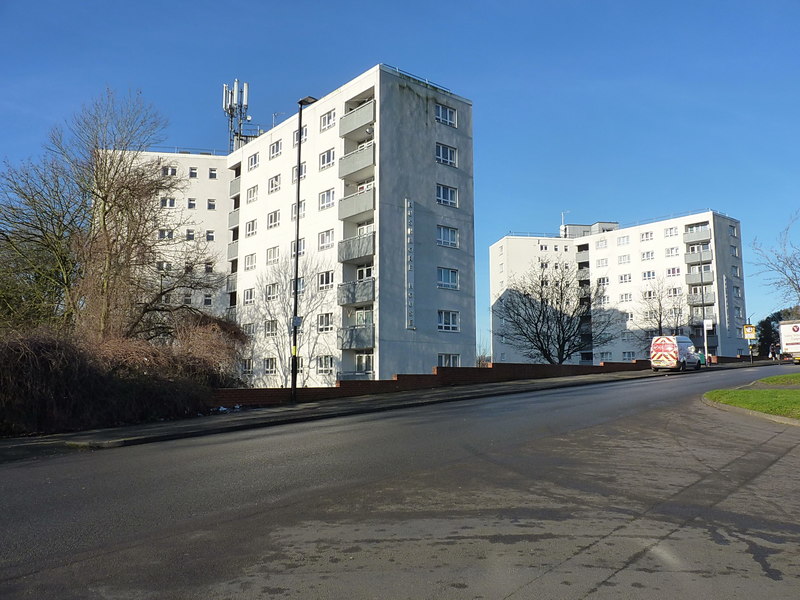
point(612, 110)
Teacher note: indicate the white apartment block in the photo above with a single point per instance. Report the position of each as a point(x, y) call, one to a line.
point(689, 265)
point(386, 239)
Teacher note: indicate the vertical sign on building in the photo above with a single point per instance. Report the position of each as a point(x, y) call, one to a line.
point(409, 224)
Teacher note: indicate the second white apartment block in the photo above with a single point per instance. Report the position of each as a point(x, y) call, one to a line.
point(695, 260)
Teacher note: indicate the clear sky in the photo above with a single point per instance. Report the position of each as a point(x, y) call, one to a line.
point(613, 110)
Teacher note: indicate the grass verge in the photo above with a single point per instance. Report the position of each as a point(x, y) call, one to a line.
point(788, 379)
point(781, 402)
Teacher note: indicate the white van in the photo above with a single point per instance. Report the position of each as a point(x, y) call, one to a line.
point(674, 352)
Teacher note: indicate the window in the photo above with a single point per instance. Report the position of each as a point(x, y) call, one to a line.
point(624, 259)
point(673, 272)
point(209, 235)
point(275, 149)
point(274, 184)
point(364, 316)
point(305, 135)
point(674, 292)
point(447, 278)
point(326, 239)
point(168, 203)
point(364, 272)
point(626, 336)
point(165, 234)
point(543, 247)
point(701, 247)
point(273, 254)
point(700, 268)
point(302, 209)
point(648, 275)
point(734, 250)
point(364, 362)
point(625, 278)
point(273, 219)
point(736, 271)
point(448, 320)
point(446, 155)
point(649, 255)
point(189, 235)
point(602, 262)
point(600, 244)
point(270, 366)
point(325, 322)
point(604, 355)
point(327, 120)
point(626, 297)
point(446, 236)
point(365, 227)
point(737, 291)
point(192, 172)
point(602, 281)
point(163, 266)
point(446, 115)
point(623, 240)
point(250, 228)
point(326, 199)
point(207, 300)
point(212, 173)
point(209, 267)
point(672, 251)
point(187, 298)
point(449, 360)
point(211, 204)
point(252, 194)
point(250, 262)
point(646, 236)
point(169, 171)
point(252, 161)
point(249, 296)
point(603, 300)
point(670, 231)
point(446, 195)
point(301, 285)
point(649, 295)
point(696, 227)
point(271, 291)
point(249, 329)
point(627, 316)
point(302, 172)
point(246, 366)
point(298, 247)
point(191, 203)
point(325, 364)
point(628, 355)
point(325, 280)
point(732, 231)
point(326, 159)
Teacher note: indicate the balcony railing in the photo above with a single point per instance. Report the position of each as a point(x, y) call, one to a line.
point(356, 206)
point(702, 299)
point(583, 274)
point(235, 187)
point(357, 248)
point(359, 337)
point(582, 256)
point(694, 258)
point(358, 164)
point(355, 375)
point(230, 283)
point(356, 292)
point(233, 219)
point(699, 278)
point(693, 237)
point(357, 120)
point(233, 250)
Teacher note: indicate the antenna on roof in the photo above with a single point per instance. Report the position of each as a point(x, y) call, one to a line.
point(234, 103)
point(563, 228)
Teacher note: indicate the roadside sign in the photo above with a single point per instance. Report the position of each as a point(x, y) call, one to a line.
point(708, 324)
point(749, 332)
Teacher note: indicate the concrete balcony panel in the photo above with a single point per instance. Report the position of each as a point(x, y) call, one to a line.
point(355, 375)
point(233, 250)
point(357, 248)
point(355, 123)
point(359, 164)
point(582, 256)
point(701, 299)
point(357, 338)
point(235, 187)
point(583, 274)
point(694, 237)
point(699, 278)
point(233, 219)
point(230, 283)
point(357, 206)
point(694, 258)
point(356, 292)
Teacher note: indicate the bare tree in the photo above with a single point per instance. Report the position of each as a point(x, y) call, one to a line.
point(662, 310)
point(547, 315)
point(271, 313)
point(781, 263)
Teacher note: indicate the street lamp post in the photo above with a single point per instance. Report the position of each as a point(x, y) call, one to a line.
point(308, 100)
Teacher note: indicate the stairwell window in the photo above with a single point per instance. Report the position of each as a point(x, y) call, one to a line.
point(446, 155)
point(448, 320)
point(446, 236)
point(447, 278)
point(446, 195)
point(446, 115)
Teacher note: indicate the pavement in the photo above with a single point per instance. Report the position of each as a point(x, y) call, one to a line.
point(223, 422)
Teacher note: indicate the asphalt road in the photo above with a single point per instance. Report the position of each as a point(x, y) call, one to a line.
point(624, 490)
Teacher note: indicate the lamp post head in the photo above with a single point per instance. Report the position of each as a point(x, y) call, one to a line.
point(306, 101)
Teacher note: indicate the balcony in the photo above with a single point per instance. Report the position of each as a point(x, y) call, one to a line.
point(359, 164)
point(582, 256)
point(356, 292)
point(230, 314)
point(699, 278)
point(357, 248)
point(694, 237)
point(233, 219)
point(583, 274)
point(233, 250)
point(355, 123)
point(694, 258)
point(360, 337)
point(701, 299)
point(235, 187)
point(357, 206)
point(355, 375)
point(230, 283)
